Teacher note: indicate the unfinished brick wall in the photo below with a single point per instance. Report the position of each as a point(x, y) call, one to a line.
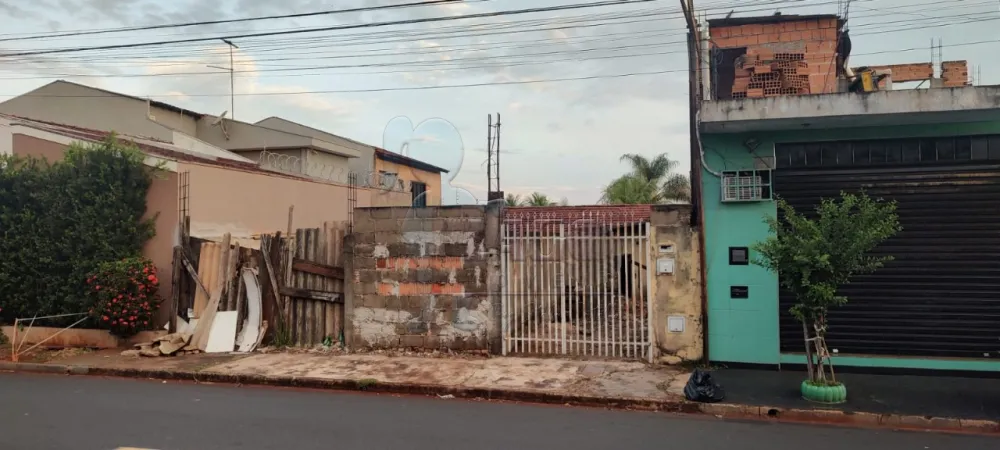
point(421, 277)
point(902, 73)
point(954, 73)
point(787, 58)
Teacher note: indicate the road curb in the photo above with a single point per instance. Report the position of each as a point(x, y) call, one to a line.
point(720, 410)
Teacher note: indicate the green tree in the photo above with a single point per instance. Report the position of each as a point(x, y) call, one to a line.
point(58, 222)
point(649, 181)
point(631, 189)
point(538, 199)
point(814, 256)
point(512, 200)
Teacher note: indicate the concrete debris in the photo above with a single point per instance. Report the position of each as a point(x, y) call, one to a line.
point(168, 345)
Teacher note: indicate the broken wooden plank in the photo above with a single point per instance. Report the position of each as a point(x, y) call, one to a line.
point(194, 274)
point(316, 268)
point(272, 277)
point(333, 297)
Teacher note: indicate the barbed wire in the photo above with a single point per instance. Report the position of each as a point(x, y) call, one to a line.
point(293, 165)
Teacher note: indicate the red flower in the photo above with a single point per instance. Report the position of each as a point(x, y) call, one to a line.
point(105, 318)
point(145, 322)
point(97, 288)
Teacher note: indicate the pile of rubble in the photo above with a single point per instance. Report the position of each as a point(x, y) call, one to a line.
point(168, 345)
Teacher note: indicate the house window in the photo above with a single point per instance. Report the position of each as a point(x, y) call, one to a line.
point(419, 194)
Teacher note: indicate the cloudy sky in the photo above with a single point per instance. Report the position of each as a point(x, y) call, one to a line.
point(575, 88)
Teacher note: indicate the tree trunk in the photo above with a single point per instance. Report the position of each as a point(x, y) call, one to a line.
point(809, 353)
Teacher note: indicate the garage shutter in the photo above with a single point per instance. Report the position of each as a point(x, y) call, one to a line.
point(941, 294)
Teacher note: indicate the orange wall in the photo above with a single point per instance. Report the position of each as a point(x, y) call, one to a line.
point(409, 174)
point(245, 203)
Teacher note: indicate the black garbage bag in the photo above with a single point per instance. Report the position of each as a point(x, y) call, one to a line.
point(702, 388)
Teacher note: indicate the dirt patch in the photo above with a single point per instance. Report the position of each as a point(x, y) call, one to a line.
point(43, 355)
point(419, 353)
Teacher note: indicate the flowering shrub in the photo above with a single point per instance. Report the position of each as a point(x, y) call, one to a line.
point(125, 297)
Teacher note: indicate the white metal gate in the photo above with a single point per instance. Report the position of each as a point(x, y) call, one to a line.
point(576, 284)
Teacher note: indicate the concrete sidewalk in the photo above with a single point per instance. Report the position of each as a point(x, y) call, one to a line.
point(609, 380)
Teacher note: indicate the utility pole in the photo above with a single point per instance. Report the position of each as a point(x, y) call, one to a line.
point(493, 159)
point(232, 80)
point(694, 107)
point(697, 205)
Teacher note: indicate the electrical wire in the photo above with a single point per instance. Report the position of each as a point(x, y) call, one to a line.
point(388, 89)
point(245, 19)
point(337, 28)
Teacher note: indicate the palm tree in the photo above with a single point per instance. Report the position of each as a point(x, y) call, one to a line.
point(649, 182)
point(676, 187)
point(631, 189)
point(513, 200)
point(538, 199)
point(652, 170)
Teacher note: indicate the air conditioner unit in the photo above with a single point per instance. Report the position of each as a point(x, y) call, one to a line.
point(746, 185)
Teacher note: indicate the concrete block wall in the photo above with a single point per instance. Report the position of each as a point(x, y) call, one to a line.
point(677, 294)
point(811, 44)
point(423, 278)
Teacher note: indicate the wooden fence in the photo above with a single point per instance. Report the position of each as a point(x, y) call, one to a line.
point(313, 288)
point(301, 280)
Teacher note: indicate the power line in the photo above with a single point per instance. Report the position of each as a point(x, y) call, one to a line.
point(441, 65)
point(377, 37)
point(245, 19)
point(414, 88)
point(337, 28)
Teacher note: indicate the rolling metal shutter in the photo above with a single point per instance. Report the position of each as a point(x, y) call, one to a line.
point(941, 295)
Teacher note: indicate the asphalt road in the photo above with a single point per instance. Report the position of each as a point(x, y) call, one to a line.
point(60, 412)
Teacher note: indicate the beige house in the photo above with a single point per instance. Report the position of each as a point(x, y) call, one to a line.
point(75, 104)
point(377, 167)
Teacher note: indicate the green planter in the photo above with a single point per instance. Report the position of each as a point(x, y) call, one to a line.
point(824, 394)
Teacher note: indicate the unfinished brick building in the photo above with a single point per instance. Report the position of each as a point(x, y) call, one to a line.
point(768, 56)
point(774, 55)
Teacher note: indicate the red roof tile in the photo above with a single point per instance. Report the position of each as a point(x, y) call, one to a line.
point(547, 220)
point(609, 213)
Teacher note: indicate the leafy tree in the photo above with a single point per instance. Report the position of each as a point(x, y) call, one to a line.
point(815, 256)
point(513, 200)
point(538, 199)
point(649, 181)
point(59, 221)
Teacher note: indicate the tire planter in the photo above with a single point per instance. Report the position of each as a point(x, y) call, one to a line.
point(824, 394)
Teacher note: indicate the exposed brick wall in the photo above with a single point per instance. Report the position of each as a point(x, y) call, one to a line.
point(955, 73)
point(421, 277)
point(902, 73)
point(788, 58)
